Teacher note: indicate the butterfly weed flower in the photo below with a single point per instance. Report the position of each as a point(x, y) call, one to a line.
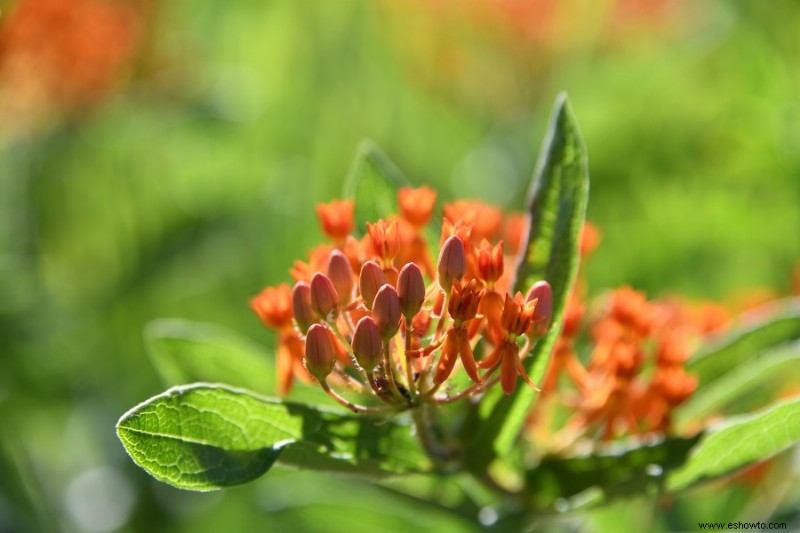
point(380, 326)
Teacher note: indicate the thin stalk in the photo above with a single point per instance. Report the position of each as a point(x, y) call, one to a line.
point(350, 405)
point(426, 437)
point(412, 386)
point(389, 368)
point(476, 388)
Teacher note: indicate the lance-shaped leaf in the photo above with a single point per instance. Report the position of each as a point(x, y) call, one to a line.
point(739, 441)
point(714, 361)
point(372, 182)
point(769, 366)
point(623, 470)
point(205, 437)
point(557, 209)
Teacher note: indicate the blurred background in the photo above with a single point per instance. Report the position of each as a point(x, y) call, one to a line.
point(163, 159)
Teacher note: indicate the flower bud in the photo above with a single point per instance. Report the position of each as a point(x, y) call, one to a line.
point(319, 358)
point(411, 290)
point(386, 311)
point(324, 299)
point(304, 315)
point(370, 280)
point(341, 275)
point(452, 262)
point(543, 294)
point(367, 343)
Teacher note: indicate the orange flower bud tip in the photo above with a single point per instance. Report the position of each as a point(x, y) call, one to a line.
point(452, 262)
point(543, 294)
point(370, 280)
point(304, 315)
point(367, 343)
point(341, 275)
point(411, 290)
point(324, 299)
point(386, 311)
point(319, 352)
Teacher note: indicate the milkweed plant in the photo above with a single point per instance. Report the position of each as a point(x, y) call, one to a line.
point(460, 342)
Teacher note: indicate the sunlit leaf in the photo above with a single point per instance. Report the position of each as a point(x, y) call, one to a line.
point(205, 436)
point(372, 182)
point(623, 471)
point(739, 441)
point(557, 207)
point(763, 368)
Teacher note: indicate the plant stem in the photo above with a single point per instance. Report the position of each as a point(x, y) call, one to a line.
point(426, 437)
point(350, 405)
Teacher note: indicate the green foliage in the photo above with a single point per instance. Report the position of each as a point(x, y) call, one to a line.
point(739, 441)
point(619, 472)
point(372, 182)
point(557, 207)
point(762, 369)
point(736, 348)
point(205, 437)
point(183, 351)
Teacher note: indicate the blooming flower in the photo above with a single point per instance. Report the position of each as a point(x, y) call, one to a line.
point(378, 326)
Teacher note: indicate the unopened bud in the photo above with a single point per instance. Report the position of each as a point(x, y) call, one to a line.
point(304, 315)
point(324, 299)
point(543, 294)
point(411, 290)
point(319, 358)
point(386, 311)
point(341, 275)
point(490, 261)
point(367, 343)
point(370, 280)
point(452, 262)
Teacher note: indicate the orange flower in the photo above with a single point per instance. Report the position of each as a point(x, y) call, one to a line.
point(490, 262)
point(518, 315)
point(273, 306)
point(416, 205)
point(385, 239)
point(486, 220)
point(336, 218)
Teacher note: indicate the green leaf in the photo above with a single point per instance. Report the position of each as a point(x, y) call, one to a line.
point(183, 351)
point(621, 471)
point(739, 441)
point(557, 206)
point(205, 437)
point(765, 367)
point(713, 362)
point(372, 182)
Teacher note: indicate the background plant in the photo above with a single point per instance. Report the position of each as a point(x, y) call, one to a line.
point(162, 200)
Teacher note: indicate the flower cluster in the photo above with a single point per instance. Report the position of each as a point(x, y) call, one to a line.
point(377, 315)
point(634, 375)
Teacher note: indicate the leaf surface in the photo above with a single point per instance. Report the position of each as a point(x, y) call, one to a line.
point(372, 183)
point(620, 471)
point(205, 436)
point(557, 209)
point(739, 441)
